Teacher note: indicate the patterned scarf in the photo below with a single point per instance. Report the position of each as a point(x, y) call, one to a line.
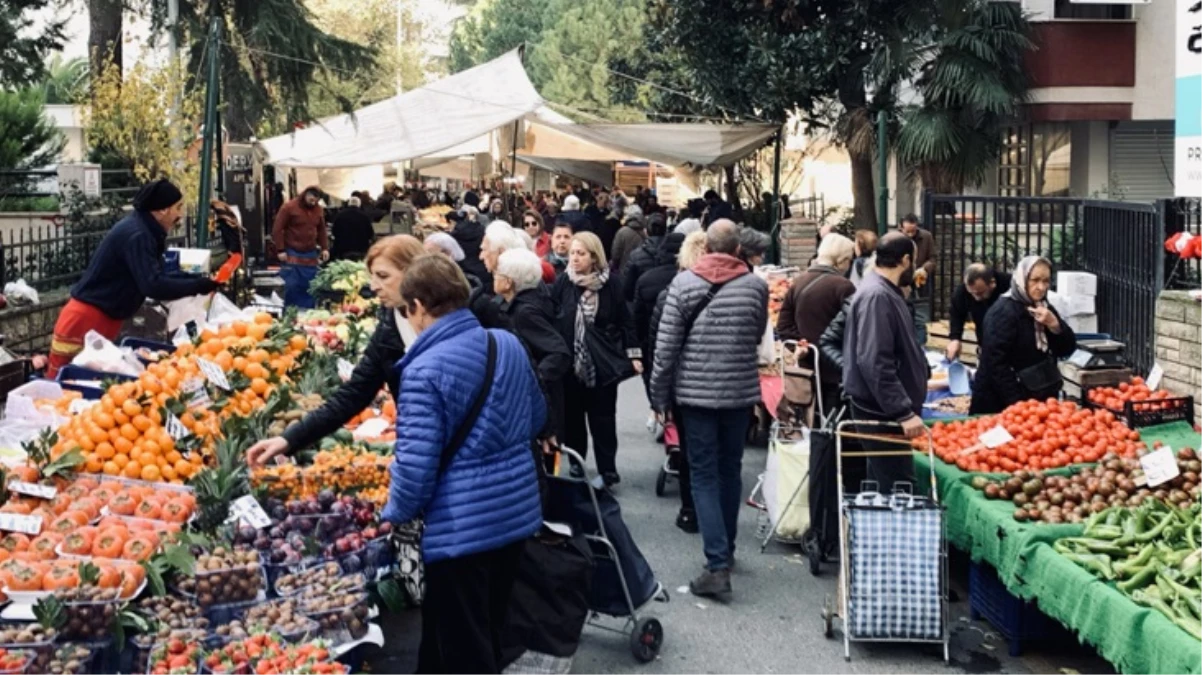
point(1018, 291)
point(586, 313)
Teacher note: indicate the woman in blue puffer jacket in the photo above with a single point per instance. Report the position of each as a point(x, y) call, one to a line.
point(482, 503)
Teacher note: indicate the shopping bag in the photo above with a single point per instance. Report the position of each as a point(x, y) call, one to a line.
point(180, 312)
point(549, 602)
point(101, 355)
point(788, 464)
point(222, 311)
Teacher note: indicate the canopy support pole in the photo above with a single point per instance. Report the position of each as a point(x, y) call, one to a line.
point(509, 202)
point(882, 151)
point(210, 120)
point(774, 206)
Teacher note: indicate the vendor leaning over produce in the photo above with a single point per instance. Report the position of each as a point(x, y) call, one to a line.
point(471, 407)
point(981, 289)
point(1025, 337)
point(387, 261)
point(301, 241)
point(126, 269)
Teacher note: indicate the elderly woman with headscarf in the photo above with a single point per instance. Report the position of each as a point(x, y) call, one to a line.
point(597, 326)
point(1026, 335)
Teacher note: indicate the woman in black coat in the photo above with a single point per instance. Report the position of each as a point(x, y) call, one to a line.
point(646, 292)
point(387, 260)
point(1026, 335)
point(587, 296)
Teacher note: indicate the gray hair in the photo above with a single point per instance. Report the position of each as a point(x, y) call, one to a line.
point(447, 244)
point(526, 239)
point(722, 237)
point(836, 250)
point(501, 236)
point(753, 242)
point(522, 266)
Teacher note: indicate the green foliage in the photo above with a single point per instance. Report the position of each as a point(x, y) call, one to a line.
point(28, 139)
point(494, 27)
point(23, 48)
point(66, 80)
point(34, 204)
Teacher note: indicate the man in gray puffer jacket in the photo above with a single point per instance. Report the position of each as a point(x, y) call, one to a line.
point(705, 362)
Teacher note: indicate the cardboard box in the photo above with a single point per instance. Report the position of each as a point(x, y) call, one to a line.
point(194, 260)
point(1078, 305)
point(1076, 283)
point(1087, 323)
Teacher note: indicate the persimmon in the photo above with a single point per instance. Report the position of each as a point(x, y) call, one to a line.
point(25, 578)
point(78, 543)
point(138, 548)
point(124, 503)
point(110, 576)
point(149, 508)
point(109, 545)
point(43, 545)
point(59, 577)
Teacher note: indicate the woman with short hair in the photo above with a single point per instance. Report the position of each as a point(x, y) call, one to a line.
point(472, 476)
point(592, 316)
point(532, 224)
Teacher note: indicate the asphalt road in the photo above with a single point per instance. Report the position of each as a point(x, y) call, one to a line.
point(772, 623)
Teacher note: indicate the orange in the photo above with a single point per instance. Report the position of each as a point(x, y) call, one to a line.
point(120, 417)
point(263, 318)
point(258, 332)
point(132, 470)
point(87, 444)
point(298, 342)
point(150, 472)
point(111, 468)
point(151, 447)
point(97, 434)
point(104, 420)
point(123, 445)
point(93, 465)
point(168, 471)
point(173, 456)
point(184, 468)
point(116, 396)
point(131, 407)
point(105, 450)
point(128, 431)
point(141, 422)
point(121, 460)
point(239, 328)
point(240, 363)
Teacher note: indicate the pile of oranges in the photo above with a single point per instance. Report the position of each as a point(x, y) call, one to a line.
point(341, 469)
point(125, 433)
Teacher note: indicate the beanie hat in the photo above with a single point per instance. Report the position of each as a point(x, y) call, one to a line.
point(571, 203)
point(156, 196)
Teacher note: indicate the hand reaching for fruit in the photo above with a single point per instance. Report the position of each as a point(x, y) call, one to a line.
point(264, 451)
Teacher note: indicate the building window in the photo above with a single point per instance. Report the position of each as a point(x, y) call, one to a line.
point(1014, 164)
point(1036, 161)
point(1065, 9)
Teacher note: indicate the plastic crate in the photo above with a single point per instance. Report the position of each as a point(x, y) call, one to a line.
point(138, 343)
point(1016, 620)
point(1138, 414)
point(69, 377)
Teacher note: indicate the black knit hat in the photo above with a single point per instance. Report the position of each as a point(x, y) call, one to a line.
point(156, 196)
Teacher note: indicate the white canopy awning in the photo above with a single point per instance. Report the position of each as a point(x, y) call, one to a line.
point(677, 144)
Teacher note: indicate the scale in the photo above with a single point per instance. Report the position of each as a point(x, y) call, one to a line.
point(1097, 354)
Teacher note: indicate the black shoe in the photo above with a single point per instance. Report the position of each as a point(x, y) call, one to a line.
point(687, 521)
point(711, 584)
point(611, 479)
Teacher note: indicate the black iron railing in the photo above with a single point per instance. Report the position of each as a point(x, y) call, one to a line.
point(808, 207)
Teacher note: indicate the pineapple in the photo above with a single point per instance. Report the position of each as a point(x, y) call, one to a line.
point(218, 486)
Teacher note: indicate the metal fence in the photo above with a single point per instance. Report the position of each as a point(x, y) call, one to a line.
point(809, 207)
point(1182, 215)
point(1120, 242)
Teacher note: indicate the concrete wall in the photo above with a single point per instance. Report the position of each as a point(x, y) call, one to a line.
point(1179, 345)
point(1089, 166)
point(28, 329)
point(1155, 33)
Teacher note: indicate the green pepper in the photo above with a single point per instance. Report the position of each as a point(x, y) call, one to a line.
point(1098, 564)
point(1142, 577)
point(1156, 531)
point(1105, 532)
point(1113, 516)
point(1191, 567)
point(1185, 619)
point(1132, 565)
point(1180, 590)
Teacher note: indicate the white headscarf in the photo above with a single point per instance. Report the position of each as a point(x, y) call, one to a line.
point(1018, 293)
point(447, 244)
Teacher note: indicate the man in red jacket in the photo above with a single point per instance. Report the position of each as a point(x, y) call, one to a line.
point(300, 236)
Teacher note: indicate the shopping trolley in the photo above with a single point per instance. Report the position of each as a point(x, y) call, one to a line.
point(893, 556)
point(801, 406)
point(574, 499)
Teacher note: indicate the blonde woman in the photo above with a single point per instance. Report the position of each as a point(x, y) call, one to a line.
point(593, 319)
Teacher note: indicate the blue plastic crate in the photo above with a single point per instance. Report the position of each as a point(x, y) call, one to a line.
point(138, 343)
point(1018, 621)
point(72, 372)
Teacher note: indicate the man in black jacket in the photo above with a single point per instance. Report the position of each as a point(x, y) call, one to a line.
point(646, 293)
point(646, 255)
point(353, 232)
point(982, 287)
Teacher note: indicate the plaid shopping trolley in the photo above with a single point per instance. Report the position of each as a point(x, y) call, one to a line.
point(892, 553)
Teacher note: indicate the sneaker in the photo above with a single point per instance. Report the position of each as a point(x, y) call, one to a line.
point(611, 479)
point(711, 584)
point(687, 521)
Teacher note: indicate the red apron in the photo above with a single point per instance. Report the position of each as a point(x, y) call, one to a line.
point(74, 322)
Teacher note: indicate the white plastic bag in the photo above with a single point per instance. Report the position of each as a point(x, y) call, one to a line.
point(20, 293)
point(766, 351)
point(180, 312)
point(101, 355)
point(222, 312)
point(788, 462)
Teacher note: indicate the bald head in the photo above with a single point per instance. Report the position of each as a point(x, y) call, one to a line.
point(892, 249)
point(722, 237)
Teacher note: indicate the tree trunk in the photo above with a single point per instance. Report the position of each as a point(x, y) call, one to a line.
point(863, 190)
point(104, 34)
point(732, 192)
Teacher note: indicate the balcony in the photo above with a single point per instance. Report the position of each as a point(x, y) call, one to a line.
point(1082, 53)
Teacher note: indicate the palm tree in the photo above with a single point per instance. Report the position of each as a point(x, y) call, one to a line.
point(972, 83)
point(66, 80)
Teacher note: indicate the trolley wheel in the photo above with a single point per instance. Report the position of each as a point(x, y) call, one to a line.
point(828, 619)
point(661, 482)
point(813, 553)
point(646, 639)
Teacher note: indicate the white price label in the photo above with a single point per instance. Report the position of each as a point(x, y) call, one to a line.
point(33, 489)
point(199, 395)
point(1154, 377)
point(213, 373)
point(1160, 466)
point(247, 509)
point(345, 368)
point(995, 437)
point(175, 428)
point(15, 522)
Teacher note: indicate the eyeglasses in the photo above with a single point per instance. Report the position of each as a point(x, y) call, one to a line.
point(530, 223)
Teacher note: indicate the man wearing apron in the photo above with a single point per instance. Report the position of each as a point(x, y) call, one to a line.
point(302, 240)
point(126, 269)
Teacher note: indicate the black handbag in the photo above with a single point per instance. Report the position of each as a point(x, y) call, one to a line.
point(610, 363)
point(1042, 377)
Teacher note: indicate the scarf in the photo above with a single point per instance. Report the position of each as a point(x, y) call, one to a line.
point(556, 259)
point(1018, 293)
point(586, 314)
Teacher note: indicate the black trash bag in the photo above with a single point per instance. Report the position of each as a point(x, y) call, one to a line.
point(568, 502)
point(824, 491)
point(549, 602)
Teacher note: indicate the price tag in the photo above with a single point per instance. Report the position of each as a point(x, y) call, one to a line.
point(1080, 358)
point(33, 489)
point(995, 437)
point(213, 373)
point(79, 405)
point(15, 522)
point(345, 368)
point(248, 510)
point(1160, 466)
point(200, 396)
point(1154, 377)
point(175, 428)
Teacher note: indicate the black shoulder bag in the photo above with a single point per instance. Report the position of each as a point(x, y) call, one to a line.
point(473, 413)
point(700, 307)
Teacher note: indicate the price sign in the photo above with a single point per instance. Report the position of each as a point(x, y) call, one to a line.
point(175, 428)
point(345, 368)
point(1154, 377)
point(33, 489)
point(248, 510)
point(995, 437)
point(15, 522)
point(213, 373)
point(200, 396)
point(1160, 466)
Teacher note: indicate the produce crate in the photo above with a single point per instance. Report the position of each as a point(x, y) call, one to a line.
point(69, 374)
point(1016, 620)
point(12, 375)
point(1136, 414)
point(135, 343)
point(1077, 381)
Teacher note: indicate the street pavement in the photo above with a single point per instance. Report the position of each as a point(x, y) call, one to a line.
point(772, 623)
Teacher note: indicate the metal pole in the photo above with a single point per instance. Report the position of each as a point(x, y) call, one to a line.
point(210, 121)
point(882, 216)
point(400, 40)
point(220, 155)
point(775, 201)
point(514, 176)
point(177, 141)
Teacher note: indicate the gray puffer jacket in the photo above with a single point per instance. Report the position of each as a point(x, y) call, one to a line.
point(714, 365)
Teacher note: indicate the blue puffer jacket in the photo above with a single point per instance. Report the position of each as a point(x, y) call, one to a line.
point(488, 496)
